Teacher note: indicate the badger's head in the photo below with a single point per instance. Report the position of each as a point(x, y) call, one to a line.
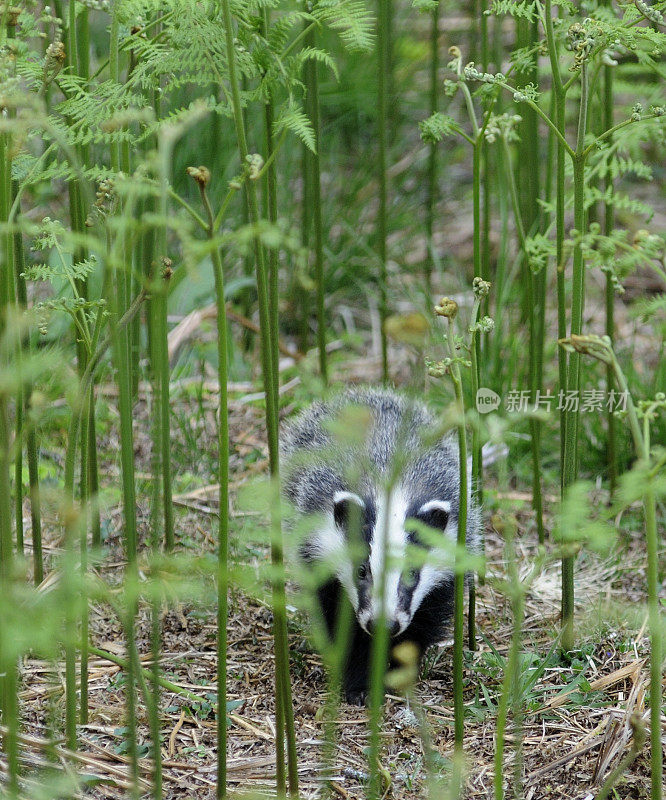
point(379, 521)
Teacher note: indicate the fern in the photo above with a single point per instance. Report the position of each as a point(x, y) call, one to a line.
point(281, 27)
point(50, 273)
point(648, 308)
point(624, 202)
point(523, 59)
point(320, 56)
point(24, 170)
point(539, 249)
point(436, 127)
point(294, 119)
point(525, 9)
point(350, 19)
point(82, 312)
point(89, 110)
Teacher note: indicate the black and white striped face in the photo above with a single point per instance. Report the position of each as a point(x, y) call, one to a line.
point(384, 521)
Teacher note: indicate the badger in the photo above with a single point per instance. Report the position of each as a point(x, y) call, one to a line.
point(382, 477)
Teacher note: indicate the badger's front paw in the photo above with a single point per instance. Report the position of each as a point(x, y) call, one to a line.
point(356, 697)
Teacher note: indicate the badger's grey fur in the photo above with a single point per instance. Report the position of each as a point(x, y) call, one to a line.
point(338, 478)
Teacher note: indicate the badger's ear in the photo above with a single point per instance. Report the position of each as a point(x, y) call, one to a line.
point(435, 513)
point(342, 507)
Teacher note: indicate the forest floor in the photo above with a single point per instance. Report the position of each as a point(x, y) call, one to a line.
point(576, 717)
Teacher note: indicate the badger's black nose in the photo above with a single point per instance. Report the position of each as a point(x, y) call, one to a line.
point(393, 626)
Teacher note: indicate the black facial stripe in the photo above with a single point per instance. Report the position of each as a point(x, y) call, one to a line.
point(416, 504)
point(369, 521)
point(346, 510)
point(406, 588)
point(364, 596)
point(433, 517)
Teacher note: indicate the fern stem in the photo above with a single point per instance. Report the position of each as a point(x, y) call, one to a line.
point(609, 221)
point(300, 294)
point(114, 70)
point(528, 170)
point(8, 677)
point(459, 580)
point(83, 557)
point(160, 365)
point(120, 357)
point(8, 680)
point(573, 370)
point(511, 665)
point(567, 436)
point(30, 435)
point(8, 302)
point(477, 463)
point(77, 216)
point(9, 709)
point(283, 686)
point(641, 440)
point(382, 75)
point(315, 188)
point(431, 202)
point(271, 204)
point(223, 529)
point(476, 448)
point(155, 344)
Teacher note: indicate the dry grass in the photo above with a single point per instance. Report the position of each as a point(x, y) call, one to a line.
point(569, 741)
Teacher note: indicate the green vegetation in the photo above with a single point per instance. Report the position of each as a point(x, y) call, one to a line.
point(191, 193)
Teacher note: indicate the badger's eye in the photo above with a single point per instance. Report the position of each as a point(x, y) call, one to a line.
point(362, 571)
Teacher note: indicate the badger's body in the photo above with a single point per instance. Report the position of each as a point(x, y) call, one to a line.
point(340, 478)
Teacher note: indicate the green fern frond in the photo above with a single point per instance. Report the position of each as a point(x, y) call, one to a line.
point(523, 59)
point(291, 117)
point(27, 169)
point(524, 9)
point(436, 127)
point(183, 115)
point(350, 19)
point(650, 308)
point(90, 111)
point(539, 249)
point(53, 273)
point(281, 27)
point(617, 166)
point(320, 56)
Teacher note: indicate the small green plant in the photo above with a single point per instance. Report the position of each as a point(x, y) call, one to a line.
point(649, 466)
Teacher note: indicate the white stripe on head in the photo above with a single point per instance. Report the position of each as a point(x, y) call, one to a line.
point(390, 523)
point(338, 497)
point(435, 505)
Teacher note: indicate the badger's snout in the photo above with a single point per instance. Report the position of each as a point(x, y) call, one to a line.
point(394, 627)
point(397, 620)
